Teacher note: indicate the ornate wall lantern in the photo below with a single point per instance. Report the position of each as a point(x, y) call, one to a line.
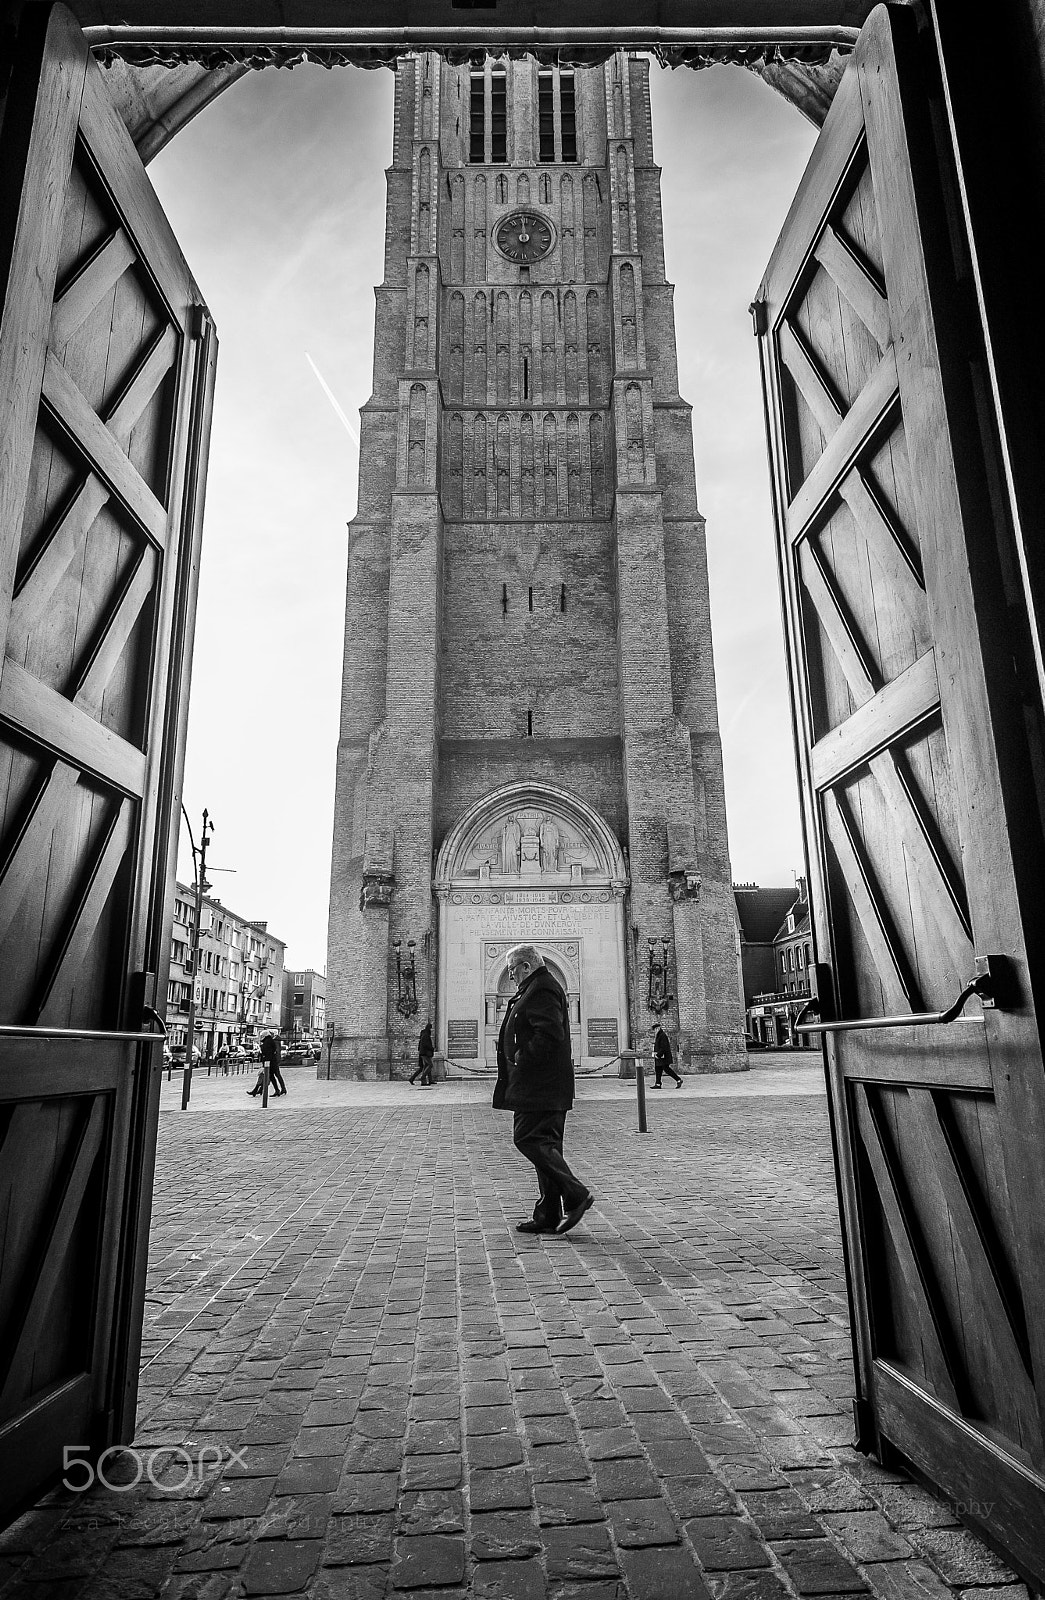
point(406, 978)
point(660, 996)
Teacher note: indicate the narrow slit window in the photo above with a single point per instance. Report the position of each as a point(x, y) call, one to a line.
point(568, 116)
point(477, 118)
point(498, 117)
point(562, 597)
point(504, 599)
point(546, 114)
point(526, 377)
point(531, 599)
point(529, 724)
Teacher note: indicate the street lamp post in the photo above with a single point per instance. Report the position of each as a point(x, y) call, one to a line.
point(199, 862)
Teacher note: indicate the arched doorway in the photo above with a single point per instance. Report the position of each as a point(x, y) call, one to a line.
point(531, 863)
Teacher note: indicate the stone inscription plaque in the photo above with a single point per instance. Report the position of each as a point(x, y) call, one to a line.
point(462, 1037)
point(602, 1036)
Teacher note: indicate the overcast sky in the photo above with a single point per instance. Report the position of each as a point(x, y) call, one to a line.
point(277, 194)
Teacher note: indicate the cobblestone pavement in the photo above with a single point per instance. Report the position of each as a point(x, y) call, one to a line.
point(407, 1396)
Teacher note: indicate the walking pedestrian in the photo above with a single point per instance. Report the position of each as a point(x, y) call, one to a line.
point(270, 1056)
point(425, 1054)
point(535, 1081)
point(663, 1060)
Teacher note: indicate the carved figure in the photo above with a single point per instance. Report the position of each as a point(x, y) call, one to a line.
point(549, 836)
point(511, 838)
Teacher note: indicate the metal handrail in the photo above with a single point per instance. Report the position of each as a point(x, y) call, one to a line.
point(981, 986)
point(11, 1030)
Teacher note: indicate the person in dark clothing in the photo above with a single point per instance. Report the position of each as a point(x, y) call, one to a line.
point(663, 1061)
point(425, 1054)
point(272, 1054)
point(535, 1081)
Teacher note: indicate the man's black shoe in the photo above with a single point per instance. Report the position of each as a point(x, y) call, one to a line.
point(533, 1226)
point(571, 1219)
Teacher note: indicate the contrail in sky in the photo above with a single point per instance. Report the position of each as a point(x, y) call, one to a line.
point(350, 428)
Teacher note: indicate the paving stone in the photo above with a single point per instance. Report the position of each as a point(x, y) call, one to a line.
point(431, 1511)
point(907, 1505)
point(357, 1541)
point(433, 1438)
point(366, 1491)
point(242, 1497)
point(345, 1583)
point(642, 1522)
point(701, 1497)
point(757, 1585)
point(612, 1444)
point(907, 1580)
point(374, 1455)
point(490, 1419)
point(296, 1516)
point(434, 1559)
point(558, 1464)
point(281, 1566)
point(551, 1430)
point(780, 1514)
point(509, 1580)
point(815, 1567)
point(654, 1574)
point(866, 1535)
point(310, 1475)
point(677, 1458)
point(560, 1503)
point(494, 1491)
point(829, 1489)
point(503, 1536)
point(494, 1450)
point(432, 1472)
point(581, 1551)
point(198, 1586)
point(628, 1479)
point(726, 1543)
point(961, 1558)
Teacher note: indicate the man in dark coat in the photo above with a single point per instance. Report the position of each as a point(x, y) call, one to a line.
point(663, 1060)
point(425, 1057)
point(535, 1080)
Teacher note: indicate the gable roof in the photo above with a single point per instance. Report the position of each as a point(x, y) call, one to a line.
point(761, 912)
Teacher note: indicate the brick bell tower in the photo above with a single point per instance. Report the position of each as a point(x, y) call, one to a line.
point(529, 740)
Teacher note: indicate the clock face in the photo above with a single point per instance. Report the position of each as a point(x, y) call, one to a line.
point(523, 237)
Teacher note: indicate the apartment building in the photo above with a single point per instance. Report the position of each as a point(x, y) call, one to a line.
point(238, 978)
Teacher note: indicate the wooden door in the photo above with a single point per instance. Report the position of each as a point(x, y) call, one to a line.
point(106, 375)
point(921, 819)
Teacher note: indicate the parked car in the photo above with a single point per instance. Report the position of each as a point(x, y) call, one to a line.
point(178, 1055)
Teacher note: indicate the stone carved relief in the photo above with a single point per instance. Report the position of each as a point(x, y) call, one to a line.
point(530, 844)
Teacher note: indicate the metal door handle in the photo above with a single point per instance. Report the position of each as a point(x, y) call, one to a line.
point(982, 986)
point(10, 1030)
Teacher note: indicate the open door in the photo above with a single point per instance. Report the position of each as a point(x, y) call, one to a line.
point(921, 818)
point(106, 375)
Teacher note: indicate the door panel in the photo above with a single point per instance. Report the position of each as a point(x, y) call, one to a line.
point(915, 796)
point(107, 350)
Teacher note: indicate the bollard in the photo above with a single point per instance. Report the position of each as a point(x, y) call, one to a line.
point(265, 1085)
point(638, 1061)
point(186, 1085)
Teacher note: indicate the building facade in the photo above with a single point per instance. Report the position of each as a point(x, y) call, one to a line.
point(304, 1004)
point(529, 743)
point(776, 957)
point(238, 980)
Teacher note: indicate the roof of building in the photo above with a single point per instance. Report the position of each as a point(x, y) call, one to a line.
point(762, 912)
point(188, 890)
